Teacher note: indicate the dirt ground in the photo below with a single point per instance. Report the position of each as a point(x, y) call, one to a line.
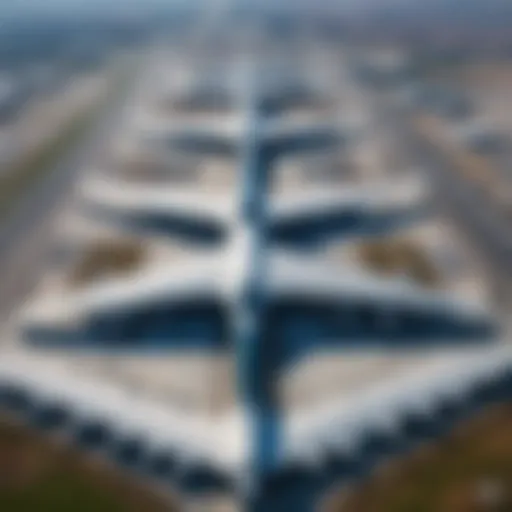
point(37, 474)
point(468, 471)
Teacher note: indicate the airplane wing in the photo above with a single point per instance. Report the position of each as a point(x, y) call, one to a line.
point(379, 421)
point(106, 420)
point(160, 209)
point(210, 96)
point(315, 306)
point(317, 216)
point(281, 138)
point(288, 96)
point(207, 137)
point(177, 308)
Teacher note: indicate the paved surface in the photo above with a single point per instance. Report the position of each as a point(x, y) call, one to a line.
point(43, 118)
point(26, 237)
point(479, 223)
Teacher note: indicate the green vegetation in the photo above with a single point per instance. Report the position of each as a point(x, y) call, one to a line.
point(468, 471)
point(37, 475)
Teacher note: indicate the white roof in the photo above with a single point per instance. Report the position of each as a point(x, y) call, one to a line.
point(388, 195)
point(189, 437)
point(197, 279)
point(299, 276)
point(288, 275)
point(129, 198)
point(229, 127)
point(342, 425)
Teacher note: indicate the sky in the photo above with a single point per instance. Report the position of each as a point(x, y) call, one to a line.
point(78, 6)
point(52, 7)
